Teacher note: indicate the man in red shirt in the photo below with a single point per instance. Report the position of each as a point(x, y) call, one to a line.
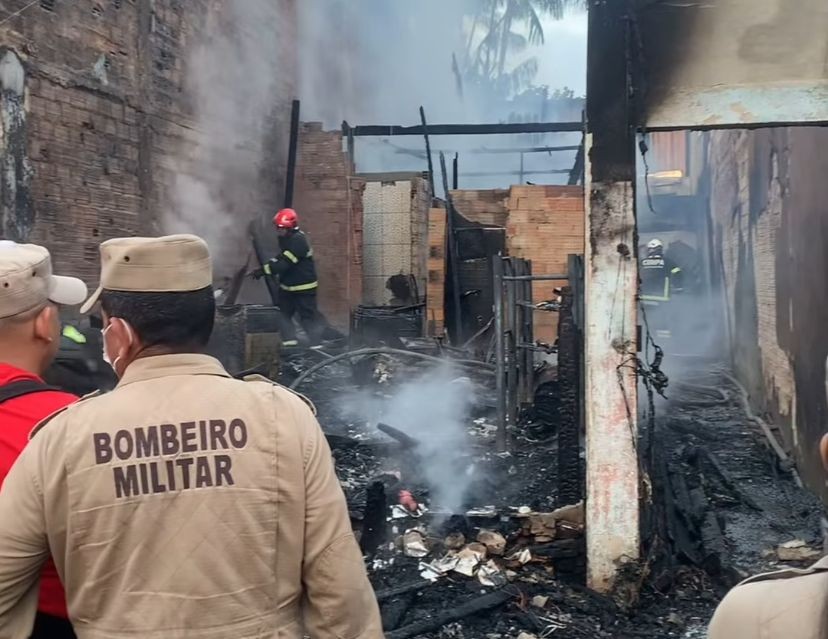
point(29, 339)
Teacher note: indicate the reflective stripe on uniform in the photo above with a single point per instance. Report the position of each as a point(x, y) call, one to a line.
point(266, 269)
point(291, 256)
point(676, 270)
point(656, 298)
point(70, 332)
point(299, 287)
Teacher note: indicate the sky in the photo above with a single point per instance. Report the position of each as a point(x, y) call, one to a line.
point(562, 58)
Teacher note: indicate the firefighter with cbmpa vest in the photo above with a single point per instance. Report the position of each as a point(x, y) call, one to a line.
point(296, 271)
point(660, 278)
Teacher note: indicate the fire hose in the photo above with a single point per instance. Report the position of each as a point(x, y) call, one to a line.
point(468, 363)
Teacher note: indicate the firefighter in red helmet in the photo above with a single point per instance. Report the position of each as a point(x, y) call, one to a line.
point(296, 272)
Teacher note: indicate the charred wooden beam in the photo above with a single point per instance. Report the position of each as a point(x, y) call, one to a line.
point(405, 440)
point(473, 607)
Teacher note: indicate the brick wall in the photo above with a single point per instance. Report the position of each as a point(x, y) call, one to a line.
point(329, 202)
point(112, 121)
point(768, 208)
point(544, 224)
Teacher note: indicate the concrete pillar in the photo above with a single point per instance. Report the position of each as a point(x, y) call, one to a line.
point(611, 277)
point(612, 517)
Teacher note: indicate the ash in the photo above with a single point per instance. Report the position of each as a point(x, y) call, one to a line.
point(507, 559)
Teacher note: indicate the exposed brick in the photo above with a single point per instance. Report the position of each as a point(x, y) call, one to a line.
point(81, 129)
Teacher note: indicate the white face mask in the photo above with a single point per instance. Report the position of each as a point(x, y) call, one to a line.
point(106, 357)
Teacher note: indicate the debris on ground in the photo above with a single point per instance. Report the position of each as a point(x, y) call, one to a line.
point(797, 551)
point(508, 560)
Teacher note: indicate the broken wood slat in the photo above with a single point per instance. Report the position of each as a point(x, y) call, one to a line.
point(393, 613)
point(728, 480)
point(559, 549)
point(436, 280)
point(406, 440)
point(473, 607)
point(390, 593)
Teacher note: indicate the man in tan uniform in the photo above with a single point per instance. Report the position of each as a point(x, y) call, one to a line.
point(184, 503)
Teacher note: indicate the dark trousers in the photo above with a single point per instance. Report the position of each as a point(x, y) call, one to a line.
point(49, 627)
point(302, 304)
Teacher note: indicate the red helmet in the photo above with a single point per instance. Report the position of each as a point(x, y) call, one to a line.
point(286, 219)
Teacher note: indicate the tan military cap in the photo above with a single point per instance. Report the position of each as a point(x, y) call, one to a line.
point(171, 264)
point(27, 283)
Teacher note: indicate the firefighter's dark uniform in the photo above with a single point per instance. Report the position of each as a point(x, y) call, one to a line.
point(296, 271)
point(660, 281)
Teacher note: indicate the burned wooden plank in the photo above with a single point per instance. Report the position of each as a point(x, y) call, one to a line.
point(406, 440)
point(374, 521)
point(728, 481)
point(473, 607)
point(559, 549)
point(403, 589)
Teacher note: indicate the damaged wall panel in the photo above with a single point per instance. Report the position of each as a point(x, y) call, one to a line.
point(768, 211)
point(395, 233)
point(16, 215)
point(732, 62)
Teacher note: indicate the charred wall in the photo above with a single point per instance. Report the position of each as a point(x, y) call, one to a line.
point(768, 208)
point(110, 121)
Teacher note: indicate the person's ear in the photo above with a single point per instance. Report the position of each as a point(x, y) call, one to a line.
point(121, 336)
point(47, 324)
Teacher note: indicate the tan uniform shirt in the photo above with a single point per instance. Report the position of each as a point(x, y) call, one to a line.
point(789, 604)
point(189, 504)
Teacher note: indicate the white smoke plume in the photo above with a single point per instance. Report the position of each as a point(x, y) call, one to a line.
point(229, 170)
point(433, 408)
point(377, 62)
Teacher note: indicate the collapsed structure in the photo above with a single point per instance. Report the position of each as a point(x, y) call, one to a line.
point(550, 473)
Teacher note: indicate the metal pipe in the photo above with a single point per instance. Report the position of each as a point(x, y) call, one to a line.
point(500, 388)
point(466, 129)
point(473, 363)
point(292, 153)
point(534, 278)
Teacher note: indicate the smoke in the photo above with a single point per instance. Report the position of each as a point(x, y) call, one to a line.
point(433, 408)
point(239, 86)
point(377, 62)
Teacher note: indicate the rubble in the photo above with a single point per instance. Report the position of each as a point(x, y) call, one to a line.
point(490, 575)
point(797, 550)
point(469, 558)
point(495, 542)
point(415, 543)
point(542, 559)
point(455, 541)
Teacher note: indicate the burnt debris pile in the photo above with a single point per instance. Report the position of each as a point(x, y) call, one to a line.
point(464, 541)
